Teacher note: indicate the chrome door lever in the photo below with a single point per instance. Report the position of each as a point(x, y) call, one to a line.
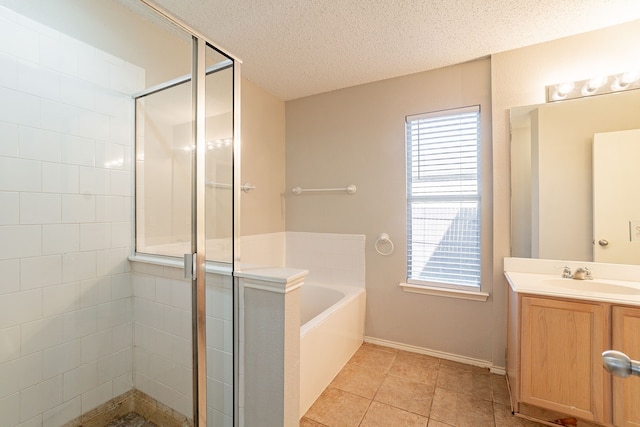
point(619, 364)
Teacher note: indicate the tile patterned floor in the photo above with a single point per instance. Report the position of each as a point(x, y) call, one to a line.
point(385, 387)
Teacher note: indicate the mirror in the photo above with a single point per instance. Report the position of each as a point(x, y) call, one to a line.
point(552, 204)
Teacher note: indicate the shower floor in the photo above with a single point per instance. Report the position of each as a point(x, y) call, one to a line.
point(131, 419)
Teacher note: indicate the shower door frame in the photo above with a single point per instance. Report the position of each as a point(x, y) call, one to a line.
point(198, 236)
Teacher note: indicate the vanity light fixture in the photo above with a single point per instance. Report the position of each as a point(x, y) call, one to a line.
point(595, 86)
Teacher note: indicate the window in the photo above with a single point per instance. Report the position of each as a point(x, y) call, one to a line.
point(443, 198)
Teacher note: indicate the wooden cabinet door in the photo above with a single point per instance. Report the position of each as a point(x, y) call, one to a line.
point(561, 349)
point(625, 337)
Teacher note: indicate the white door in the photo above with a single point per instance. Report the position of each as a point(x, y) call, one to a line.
point(616, 197)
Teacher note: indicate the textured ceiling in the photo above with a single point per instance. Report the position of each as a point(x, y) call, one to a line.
point(295, 48)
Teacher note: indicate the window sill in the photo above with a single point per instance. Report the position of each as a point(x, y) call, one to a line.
point(445, 292)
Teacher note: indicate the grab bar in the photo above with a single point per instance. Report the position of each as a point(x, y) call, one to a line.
point(350, 189)
point(246, 187)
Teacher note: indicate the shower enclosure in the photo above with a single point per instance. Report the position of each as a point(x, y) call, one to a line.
point(119, 139)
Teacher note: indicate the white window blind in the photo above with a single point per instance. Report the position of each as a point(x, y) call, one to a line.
point(443, 198)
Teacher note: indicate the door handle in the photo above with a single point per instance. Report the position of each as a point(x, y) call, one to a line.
point(190, 266)
point(619, 364)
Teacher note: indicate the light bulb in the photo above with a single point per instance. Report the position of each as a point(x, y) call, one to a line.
point(561, 91)
point(629, 77)
point(624, 80)
point(593, 85)
point(564, 88)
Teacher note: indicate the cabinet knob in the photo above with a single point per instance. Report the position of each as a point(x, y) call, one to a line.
point(603, 242)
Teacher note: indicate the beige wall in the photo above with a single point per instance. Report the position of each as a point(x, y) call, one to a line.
point(518, 78)
point(356, 136)
point(263, 161)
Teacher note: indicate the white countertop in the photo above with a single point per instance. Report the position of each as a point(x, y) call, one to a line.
point(600, 290)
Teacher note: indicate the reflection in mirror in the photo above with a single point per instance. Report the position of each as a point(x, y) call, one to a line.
point(552, 213)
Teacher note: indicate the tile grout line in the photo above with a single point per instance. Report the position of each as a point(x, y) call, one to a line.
point(377, 390)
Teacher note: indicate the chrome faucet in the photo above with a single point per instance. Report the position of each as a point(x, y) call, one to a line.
point(566, 273)
point(583, 273)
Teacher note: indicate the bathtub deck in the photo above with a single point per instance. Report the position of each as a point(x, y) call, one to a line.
point(381, 386)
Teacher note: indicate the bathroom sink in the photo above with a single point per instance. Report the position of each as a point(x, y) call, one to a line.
point(593, 286)
point(598, 289)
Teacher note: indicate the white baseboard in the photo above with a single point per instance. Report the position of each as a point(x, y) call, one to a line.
point(499, 370)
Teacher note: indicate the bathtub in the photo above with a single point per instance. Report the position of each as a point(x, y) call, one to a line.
point(331, 330)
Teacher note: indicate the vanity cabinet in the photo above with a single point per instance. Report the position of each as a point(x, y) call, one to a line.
point(625, 326)
point(561, 346)
point(554, 359)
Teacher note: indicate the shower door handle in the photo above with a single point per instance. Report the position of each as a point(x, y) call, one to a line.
point(190, 266)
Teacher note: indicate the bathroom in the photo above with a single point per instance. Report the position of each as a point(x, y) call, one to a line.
point(466, 331)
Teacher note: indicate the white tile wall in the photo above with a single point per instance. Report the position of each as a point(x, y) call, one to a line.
point(37, 272)
point(61, 299)
point(9, 344)
point(77, 208)
point(61, 358)
point(40, 397)
point(9, 276)
point(162, 336)
point(18, 107)
point(66, 321)
point(60, 178)
point(220, 349)
point(19, 174)
point(75, 150)
point(10, 212)
point(60, 238)
point(8, 413)
point(38, 144)
point(63, 413)
point(8, 71)
point(20, 307)
point(39, 208)
point(41, 334)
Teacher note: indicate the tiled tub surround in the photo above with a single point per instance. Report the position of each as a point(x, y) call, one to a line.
point(66, 334)
point(332, 329)
point(329, 257)
point(333, 259)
